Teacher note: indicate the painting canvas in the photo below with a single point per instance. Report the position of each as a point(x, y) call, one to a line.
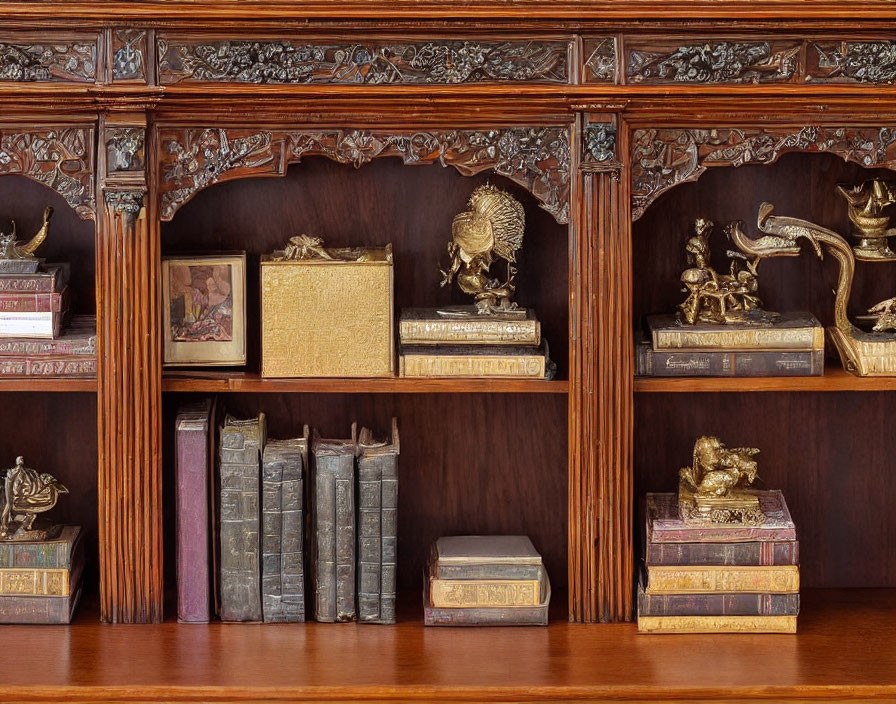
point(204, 310)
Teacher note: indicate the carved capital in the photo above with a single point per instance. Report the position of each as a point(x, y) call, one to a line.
point(127, 202)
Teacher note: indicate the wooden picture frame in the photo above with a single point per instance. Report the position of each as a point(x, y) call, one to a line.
point(204, 310)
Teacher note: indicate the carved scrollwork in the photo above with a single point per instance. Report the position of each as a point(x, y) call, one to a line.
point(59, 158)
point(663, 158)
point(714, 62)
point(535, 157)
point(67, 61)
point(853, 62)
point(426, 62)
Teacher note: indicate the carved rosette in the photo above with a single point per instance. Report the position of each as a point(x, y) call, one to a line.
point(537, 158)
point(425, 62)
point(61, 159)
point(853, 62)
point(600, 66)
point(65, 61)
point(664, 158)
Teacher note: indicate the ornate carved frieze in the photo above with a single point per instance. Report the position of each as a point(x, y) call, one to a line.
point(128, 54)
point(535, 157)
point(124, 149)
point(128, 202)
point(62, 61)
point(852, 62)
point(376, 62)
point(59, 158)
point(663, 158)
point(600, 64)
point(714, 62)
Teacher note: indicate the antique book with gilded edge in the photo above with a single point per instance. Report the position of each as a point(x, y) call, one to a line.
point(716, 604)
point(194, 440)
point(427, 326)
point(791, 331)
point(57, 553)
point(242, 442)
point(687, 579)
point(31, 608)
point(377, 526)
point(755, 363)
point(717, 624)
point(78, 340)
point(494, 361)
point(332, 495)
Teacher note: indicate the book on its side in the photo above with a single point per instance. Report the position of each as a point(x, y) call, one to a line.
point(716, 604)
point(39, 325)
point(194, 461)
point(484, 557)
point(717, 624)
point(461, 325)
point(57, 553)
point(20, 302)
point(377, 526)
point(23, 608)
point(762, 363)
point(768, 552)
point(333, 528)
point(47, 366)
point(791, 331)
point(469, 593)
point(282, 576)
point(77, 340)
point(679, 579)
point(465, 361)
point(53, 278)
point(242, 442)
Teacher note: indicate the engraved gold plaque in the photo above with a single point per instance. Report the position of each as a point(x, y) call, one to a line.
point(328, 317)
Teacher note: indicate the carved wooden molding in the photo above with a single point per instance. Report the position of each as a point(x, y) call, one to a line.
point(60, 158)
point(600, 60)
point(63, 60)
point(537, 158)
point(370, 62)
point(664, 158)
point(851, 61)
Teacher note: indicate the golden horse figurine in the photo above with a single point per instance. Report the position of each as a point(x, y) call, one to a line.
point(26, 494)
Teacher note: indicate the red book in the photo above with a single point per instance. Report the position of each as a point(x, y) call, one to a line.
point(35, 302)
point(53, 278)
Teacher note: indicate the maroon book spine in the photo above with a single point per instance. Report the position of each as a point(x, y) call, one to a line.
point(79, 339)
point(47, 366)
point(53, 279)
point(34, 302)
point(755, 553)
point(193, 428)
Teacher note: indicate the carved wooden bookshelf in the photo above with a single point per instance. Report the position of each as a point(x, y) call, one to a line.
point(148, 127)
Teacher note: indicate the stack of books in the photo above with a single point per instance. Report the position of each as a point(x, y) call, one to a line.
point(719, 578)
point(458, 342)
point(479, 580)
point(34, 339)
point(40, 581)
point(792, 346)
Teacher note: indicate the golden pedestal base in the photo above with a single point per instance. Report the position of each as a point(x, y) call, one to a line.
point(865, 353)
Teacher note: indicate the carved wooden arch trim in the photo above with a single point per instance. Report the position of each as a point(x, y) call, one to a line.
point(664, 158)
point(537, 158)
point(60, 158)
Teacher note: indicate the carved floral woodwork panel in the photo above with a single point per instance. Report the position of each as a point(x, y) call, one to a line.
point(712, 61)
point(663, 158)
point(372, 62)
point(600, 142)
point(851, 61)
point(124, 149)
point(600, 60)
point(59, 158)
point(129, 54)
point(537, 158)
point(73, 61)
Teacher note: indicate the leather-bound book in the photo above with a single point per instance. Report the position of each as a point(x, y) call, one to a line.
point(194, 461)
point(282, 575)
point(242, 442)
point(333, 528)
point(377, 526)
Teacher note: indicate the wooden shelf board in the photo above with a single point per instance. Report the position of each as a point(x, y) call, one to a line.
point(834, 379)
point(845, 649)
point(211, 382)
point(47, 384)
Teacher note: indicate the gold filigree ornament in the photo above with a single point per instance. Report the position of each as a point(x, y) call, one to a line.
point(868, 203)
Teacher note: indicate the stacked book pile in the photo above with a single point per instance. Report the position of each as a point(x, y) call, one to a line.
point(459, 342)
point(40, 581)
point(478, 580)
point(719, 578)
point(792, 346)
point(34, 337)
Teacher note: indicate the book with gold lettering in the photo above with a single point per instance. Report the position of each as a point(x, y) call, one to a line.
point(483, 592)
point(459, 325)
point(681, 579)
point(717, 624)
point(484, 361)
point(790, 331)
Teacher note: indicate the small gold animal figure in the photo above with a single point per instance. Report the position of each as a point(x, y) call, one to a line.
point(10, 248)
point(867, 205)
point(26, 494)
point(885, 315)
point(718, 471)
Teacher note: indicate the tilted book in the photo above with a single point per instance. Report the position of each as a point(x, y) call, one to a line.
point(333, 528)
point(194, 441)
point(461, 325)
point(768, 552)
point(282, 573)
point(242, 442)
point(485, 557)
point(678, 579)
point(665, 526)
point(377, 526)
point(717, 624)
point(762, 363)
point(717, 604)
point(791, 331)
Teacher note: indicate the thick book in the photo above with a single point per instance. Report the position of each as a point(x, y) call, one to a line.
point(464, 361)
point(679, 579)
point(791, 331)
point(53, 278)
point(377, 526)
point(282, 573)
point(461, 325)
point(333, 528)
point(717, 624)
point(69, 366)
point(27, 302)
point(665, 526)
point(468, 593)
point(242, 442)
point(485, 557)
point(717, 604)
point(57, 553)
point(77, 340)
point(23, 608)
point(763, 363)
point(41, 325)
point(768, 552)
point(194, 441)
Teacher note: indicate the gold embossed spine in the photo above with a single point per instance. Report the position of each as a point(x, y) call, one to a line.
point(493, 366)
point(807, 338)
point(40, 582)
point(672, 579)
point(459, 593)
point(717, 624)
point(472, 332)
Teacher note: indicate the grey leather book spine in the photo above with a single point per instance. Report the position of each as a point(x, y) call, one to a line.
point(333, 530)
point(282, 576)
point(242, 442)
point(761, 363)
point(377, 526)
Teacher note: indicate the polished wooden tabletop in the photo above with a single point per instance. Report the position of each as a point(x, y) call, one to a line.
point(845, 649)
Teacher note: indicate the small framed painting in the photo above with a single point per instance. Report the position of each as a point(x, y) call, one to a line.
point(204, 310)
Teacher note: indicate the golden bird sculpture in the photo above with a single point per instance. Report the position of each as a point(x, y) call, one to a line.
point(26, 493)
point(10, 248)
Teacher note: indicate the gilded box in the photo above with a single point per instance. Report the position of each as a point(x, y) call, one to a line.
point(328, 317)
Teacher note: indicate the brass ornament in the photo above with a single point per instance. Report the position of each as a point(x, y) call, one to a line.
point(18, 257)
point(714, 489)
point(26, 493)
point(867, 203)
point(491, 228)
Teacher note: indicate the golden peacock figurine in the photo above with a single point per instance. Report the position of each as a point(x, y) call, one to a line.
point(492, 227)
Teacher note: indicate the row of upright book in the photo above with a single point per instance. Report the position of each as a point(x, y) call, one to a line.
point(246, 530)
